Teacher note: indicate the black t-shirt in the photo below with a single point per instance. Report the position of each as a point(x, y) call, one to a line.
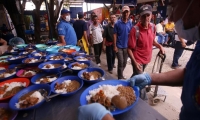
point(80, 26)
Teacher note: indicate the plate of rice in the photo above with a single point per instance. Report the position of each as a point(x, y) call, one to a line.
point(7, 74)
point(29, 98)
point(109, 93)
point(10, 87)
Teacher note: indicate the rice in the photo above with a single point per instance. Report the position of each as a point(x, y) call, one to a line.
point(77, 67)
point(38, 54)
point(32, 72)
point(11, 86)
point(35, 94)
point(64, 66)
point(14, 58)
point(67, 83)
point(33, 60)
point(51, 66)
point(82, 59)
point(8, 74)
point(25, 52)
point(109, 91)
point(49, 79)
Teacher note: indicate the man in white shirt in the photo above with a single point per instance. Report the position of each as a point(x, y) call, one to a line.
point(96, 31)
point(161, 33)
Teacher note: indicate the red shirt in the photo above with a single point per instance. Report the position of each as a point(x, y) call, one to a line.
point(143, 50)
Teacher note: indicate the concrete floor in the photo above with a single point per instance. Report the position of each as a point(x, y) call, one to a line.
point(172, 105)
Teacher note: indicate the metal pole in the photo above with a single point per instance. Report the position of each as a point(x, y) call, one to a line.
point(122, 3)
point(49, 21)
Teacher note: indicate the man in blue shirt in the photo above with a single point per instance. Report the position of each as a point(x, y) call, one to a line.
point(121, 32)
point(187, 24)
point(66, 32)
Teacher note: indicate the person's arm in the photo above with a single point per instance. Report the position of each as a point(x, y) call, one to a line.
point(171, 78)
point(115, 38)
point(155, 43)
point(182, 42)
point(61, 34)
point(104, 37)
point(85, 35)
point(108, 117)
point(3, 42)
point(91, 40)
point(62, 40)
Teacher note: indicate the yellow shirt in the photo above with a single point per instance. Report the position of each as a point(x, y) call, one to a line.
point(169, 26)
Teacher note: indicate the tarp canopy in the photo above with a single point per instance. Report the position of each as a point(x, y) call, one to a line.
point(134, 2)
point(110, 1)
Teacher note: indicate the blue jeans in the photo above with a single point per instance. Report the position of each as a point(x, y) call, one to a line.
point(177, 53)
point(164, 38)
point(110, 55)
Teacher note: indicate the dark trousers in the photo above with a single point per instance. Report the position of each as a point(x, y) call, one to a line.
point(171, 36)
point(97, 52)
point(177, 53)
point(122, 57)
point(143, 92)
point(110, 55)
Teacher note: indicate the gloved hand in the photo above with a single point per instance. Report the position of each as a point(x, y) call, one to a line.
point(140, 80)
point(94, 111)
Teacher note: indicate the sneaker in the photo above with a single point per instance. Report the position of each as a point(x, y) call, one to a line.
point(99, 65)
point(110, 72)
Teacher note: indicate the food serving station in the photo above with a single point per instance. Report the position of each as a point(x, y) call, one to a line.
point(55, 80)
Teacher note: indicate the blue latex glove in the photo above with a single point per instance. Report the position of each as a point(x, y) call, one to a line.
point(94, 111)
point(140, 80)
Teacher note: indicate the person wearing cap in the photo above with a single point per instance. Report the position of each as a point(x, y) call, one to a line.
point(66, 32)
point(187, 24)
point(140, 47)
point(80, 27)
point(120, 39)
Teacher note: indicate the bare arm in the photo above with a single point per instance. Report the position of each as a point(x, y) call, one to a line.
point(155, 43)
point(3, 42)
point(85, 35)
point(130, 53)
point(171, 78)
point(108, 117)
point(62, 40)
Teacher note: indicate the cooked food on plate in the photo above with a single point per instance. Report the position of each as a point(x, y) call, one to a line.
point(7, 73)
point(29, 73)
point(94, 75)
point(18, 57)
point(45, 79)
point(9, 89)
point(40, 54)
point(82, 59)
point(57, 57)
point(5, 114)
point(68, 59)
point(51, 66)
point(32, 60)
point(79, 66)
point(29, 99)
point(67, 86)
point(78, 54)
point(112, 96)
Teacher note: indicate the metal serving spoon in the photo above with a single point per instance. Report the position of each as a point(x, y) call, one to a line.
point(43, 92)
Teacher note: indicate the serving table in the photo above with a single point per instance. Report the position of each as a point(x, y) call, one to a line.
point(66, 108)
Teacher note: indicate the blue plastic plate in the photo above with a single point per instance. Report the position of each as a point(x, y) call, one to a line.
point(83, 100)
point(12, 76)
point(60, 80)
point(91, 70)
point(40, 75)
point(17, 96)
point(75, 70)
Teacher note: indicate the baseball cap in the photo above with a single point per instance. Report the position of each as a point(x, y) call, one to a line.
point(145, 9)
point(80, 14)
point(125, 8)
point(63, 11)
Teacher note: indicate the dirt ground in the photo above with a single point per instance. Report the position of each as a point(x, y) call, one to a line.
point(172, 105)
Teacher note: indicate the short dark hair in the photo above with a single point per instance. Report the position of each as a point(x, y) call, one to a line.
point(112, 14)
point(161, 20)
point(94, 16)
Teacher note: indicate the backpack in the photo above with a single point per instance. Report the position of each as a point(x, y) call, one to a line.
point(137, 33)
